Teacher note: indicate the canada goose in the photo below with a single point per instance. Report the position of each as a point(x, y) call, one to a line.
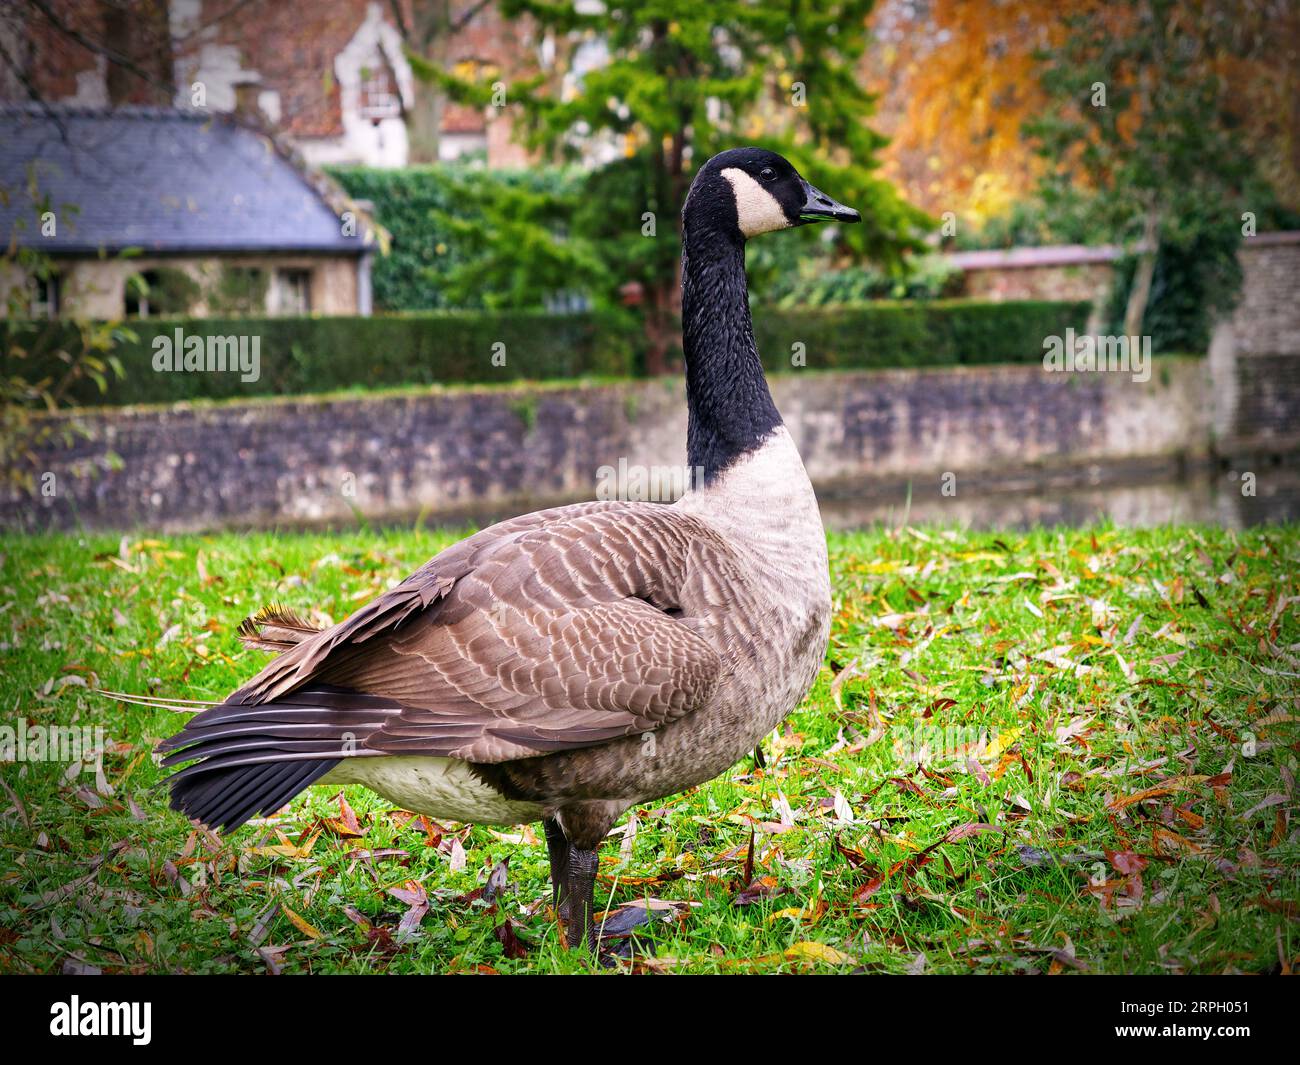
point(566, 665)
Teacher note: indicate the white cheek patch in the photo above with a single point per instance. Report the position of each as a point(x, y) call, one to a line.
point(756, 209)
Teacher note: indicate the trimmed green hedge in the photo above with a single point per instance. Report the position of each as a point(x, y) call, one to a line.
point(881, 335)
point(305, 355)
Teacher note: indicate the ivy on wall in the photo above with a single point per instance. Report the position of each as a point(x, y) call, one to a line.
point(417, 205)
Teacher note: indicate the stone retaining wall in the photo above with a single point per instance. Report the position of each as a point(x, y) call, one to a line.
point(503, 450)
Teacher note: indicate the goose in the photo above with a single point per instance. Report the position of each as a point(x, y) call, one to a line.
point(567, 665)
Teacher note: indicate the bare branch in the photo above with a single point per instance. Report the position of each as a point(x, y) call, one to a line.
point(113, 56)
point(32, 92)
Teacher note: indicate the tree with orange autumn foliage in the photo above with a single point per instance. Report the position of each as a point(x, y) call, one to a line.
point(957, 81)
point(1139, 127)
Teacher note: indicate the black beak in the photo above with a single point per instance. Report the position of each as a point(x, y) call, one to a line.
point(819, 207)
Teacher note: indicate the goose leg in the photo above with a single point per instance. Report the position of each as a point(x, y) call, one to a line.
point(557, 848)
point(583, 825)
point(581, 902)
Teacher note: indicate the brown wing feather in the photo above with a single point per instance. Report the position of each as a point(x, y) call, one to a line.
point(549, 632)
point(275, 628)
point(384, 613)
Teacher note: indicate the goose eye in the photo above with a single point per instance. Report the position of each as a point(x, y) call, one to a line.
point(767, 174)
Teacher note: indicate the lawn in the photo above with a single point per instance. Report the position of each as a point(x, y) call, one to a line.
point(1062, 751)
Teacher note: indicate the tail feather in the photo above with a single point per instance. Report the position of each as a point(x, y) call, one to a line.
point(275, 628)
point(223, 800)
point(250, 759)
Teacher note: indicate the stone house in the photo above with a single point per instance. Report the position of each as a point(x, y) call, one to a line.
point(331, 75)
point(148, 212)
point(1270, 263)
point(1055, 272)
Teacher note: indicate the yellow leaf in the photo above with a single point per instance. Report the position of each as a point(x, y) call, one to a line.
point(809, 950)
point(1168, 787)
point(286, 848)
point(1002, 741)
point(305, 927)
point(277, 851)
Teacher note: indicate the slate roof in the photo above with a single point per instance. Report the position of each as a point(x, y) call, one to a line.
point(160, 179)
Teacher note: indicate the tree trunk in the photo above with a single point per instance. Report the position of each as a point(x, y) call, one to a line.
point(663, 304)
point(142, 36)
point(427, 36)
point(424, 124)
point(1140, 291)
point(658, 328)
point(664, 300)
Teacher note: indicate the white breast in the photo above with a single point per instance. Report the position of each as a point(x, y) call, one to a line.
point(443, 788)
point(765, 506)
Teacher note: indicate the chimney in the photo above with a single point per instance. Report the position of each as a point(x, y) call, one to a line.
point(246, 105)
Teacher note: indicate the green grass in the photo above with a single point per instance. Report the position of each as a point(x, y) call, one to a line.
point(1138, 776)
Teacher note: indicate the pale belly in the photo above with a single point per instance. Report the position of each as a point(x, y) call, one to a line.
point(442, 788)
point(639, 768)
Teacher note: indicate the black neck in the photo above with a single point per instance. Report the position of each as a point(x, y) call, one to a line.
point(730, 408)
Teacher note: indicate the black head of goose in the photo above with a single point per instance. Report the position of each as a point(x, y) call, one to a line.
point(566, 665)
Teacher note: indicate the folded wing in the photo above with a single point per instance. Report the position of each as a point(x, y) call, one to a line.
point(559, 630)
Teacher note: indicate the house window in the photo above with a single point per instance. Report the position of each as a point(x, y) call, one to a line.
point(160, 293)
point(139, 289)
point(45, 297)
point(241, 290)
point(292, 292)
point(379, 99)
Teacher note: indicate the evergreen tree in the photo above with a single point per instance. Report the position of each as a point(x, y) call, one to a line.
point(661, 85)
